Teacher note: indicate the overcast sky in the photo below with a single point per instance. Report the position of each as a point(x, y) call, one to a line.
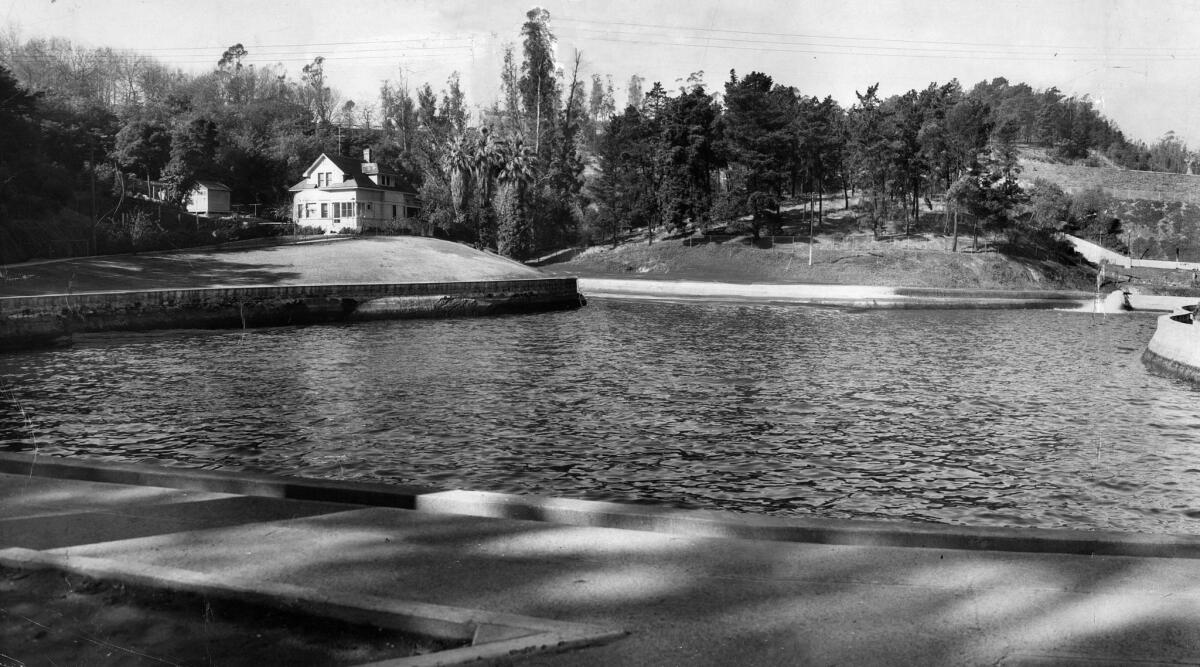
point(1139, 60)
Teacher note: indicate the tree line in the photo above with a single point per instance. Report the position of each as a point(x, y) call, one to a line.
point(553, 161)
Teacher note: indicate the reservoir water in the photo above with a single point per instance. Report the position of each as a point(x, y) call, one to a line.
point(980, 417)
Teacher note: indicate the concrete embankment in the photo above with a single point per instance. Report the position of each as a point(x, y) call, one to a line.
point(873, 296)
point(33, 320)
point(855, 296)
point(1175, 347)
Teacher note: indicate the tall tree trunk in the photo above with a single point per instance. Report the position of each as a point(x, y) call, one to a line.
point(954, 245)
point(820, 205)
point(945, 215)
point(914, 206)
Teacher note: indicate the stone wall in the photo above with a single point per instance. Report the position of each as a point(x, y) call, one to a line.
point(1120, 183)
point(35, 320)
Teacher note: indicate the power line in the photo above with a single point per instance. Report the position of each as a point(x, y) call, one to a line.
point(892, 52)
point(254, 48)
point(269, 60)
point(1165, 51)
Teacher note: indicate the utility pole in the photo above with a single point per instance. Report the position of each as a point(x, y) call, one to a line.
point(811, 240)
point(92, 169)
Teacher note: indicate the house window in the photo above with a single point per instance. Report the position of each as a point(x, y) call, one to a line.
point(299, 211)
point(320, 180)
point(411, 212)
point(324, 210)
point(347, 209)
point(393, 211)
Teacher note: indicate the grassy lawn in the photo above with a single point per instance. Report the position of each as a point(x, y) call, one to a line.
point(391, 259)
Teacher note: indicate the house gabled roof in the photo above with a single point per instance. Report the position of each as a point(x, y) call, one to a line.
point(352, 167)
point(348, 165)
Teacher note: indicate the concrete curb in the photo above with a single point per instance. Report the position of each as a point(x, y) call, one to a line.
point(696, 523)
point(493, 636)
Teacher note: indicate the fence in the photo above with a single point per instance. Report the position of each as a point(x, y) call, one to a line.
point(763, 241)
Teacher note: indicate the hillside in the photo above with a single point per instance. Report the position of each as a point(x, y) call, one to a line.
point(395, 259)
point(1156, 214)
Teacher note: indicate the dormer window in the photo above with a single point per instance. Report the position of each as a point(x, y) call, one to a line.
point(321, 180)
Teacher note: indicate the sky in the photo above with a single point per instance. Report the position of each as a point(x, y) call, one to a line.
point(1138, 60)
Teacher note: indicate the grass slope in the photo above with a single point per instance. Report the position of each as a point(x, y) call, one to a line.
point(909, 264)
point(845, 251)
point(360, 260)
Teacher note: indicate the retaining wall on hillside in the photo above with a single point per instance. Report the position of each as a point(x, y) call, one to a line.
point(1120, 183)
point(26, 321)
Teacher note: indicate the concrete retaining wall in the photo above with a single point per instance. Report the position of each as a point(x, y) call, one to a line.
point(26, 321)
point(1175, 347)
point(1120, 183)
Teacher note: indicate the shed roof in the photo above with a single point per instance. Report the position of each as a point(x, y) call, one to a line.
point(214, 185)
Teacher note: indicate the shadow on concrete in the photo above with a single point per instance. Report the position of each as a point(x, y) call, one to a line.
point(702, 601)
point(86, 527)
point(138, 272)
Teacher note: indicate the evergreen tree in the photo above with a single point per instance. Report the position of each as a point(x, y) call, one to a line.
point(538, 85)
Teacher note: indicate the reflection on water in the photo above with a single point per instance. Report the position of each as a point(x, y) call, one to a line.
point(980, 417)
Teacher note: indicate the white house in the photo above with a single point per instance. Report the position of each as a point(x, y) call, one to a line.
point(209, 198)
point(342, 193)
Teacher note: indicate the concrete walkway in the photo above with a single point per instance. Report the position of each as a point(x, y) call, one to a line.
point(683, 596)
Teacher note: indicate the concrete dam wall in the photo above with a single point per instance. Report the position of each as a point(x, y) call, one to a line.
point(39, 320)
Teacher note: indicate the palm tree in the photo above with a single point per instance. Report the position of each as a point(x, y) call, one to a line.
point(489, 159)
point(460, 157)
point(515, 173)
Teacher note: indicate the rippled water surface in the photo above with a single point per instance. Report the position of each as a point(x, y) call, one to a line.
point(979, 417)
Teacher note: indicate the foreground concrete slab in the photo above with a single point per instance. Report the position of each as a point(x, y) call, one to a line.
point(720, 601)
point(489, 636)
point(693, 599)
